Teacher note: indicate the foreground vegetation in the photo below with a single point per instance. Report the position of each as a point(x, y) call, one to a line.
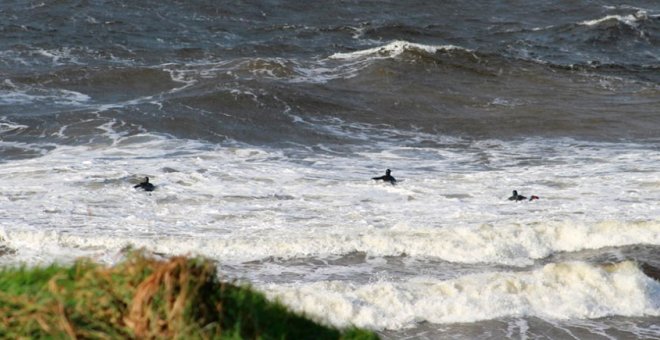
point(143, 297)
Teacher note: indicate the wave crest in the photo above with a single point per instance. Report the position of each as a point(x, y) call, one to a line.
point(556, 291)
point(395, 49)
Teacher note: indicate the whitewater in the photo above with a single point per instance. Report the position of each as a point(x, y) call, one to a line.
point(265, 213)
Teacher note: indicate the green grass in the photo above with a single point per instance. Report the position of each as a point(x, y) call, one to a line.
point(145, 298)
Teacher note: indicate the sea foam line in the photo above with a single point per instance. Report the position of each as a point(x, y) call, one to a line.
point(509, 245)
point(394, 49)
point(555, 291)
point(630, 20)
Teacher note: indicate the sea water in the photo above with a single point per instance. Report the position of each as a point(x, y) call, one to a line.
point(261, 125)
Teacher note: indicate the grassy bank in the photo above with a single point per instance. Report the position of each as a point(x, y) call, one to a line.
point(143, 297)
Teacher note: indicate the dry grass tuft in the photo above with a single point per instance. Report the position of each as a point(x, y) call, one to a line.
point(144, 298)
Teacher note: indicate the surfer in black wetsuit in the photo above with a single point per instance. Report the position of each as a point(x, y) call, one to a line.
point(516, 197)
point(145, 185)
point(387, 177)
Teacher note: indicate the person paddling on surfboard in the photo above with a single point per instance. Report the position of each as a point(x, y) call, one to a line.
point(146, 186)
point(516, 197)
point(387, 177)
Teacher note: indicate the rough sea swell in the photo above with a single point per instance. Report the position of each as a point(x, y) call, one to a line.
point(261, 123)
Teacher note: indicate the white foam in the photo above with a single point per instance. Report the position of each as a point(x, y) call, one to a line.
point(9, 126)
point(556, 291)
point(630, 19)
point(240, 203)
point(394, 49)
point(518, 245)
point(24, 95)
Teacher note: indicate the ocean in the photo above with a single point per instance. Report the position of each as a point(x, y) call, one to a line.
point(261, 123)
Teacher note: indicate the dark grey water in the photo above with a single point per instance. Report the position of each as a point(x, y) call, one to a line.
point(262, 122)
point(242, 70)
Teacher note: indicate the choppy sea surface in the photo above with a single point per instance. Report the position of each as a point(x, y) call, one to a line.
point(261, 123)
